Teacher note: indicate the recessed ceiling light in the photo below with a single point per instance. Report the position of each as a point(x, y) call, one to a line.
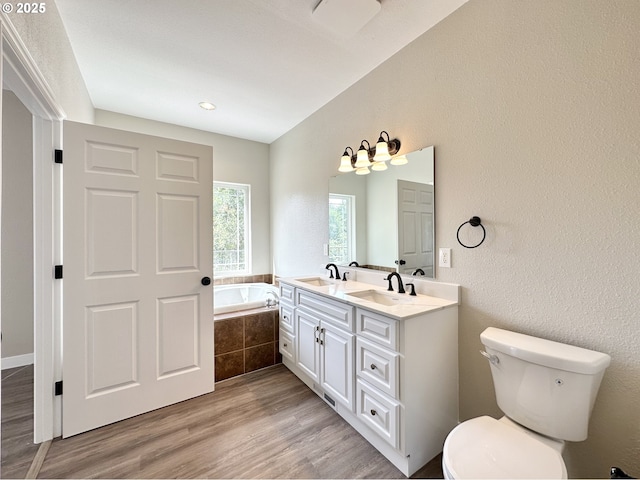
point(207, 105)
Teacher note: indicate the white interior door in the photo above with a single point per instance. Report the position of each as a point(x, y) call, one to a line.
point(415, 227)
point(138, 322)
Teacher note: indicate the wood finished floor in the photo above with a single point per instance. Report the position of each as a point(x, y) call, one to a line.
point(18, 448)
point(266, 424)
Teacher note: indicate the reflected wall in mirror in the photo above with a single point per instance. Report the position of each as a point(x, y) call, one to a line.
point(385, 217)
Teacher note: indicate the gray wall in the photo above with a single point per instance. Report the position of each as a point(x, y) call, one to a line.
point(533, 109)
point(17, 228)
point(46, 40)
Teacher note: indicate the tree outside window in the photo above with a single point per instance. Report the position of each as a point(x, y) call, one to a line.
point(341, 226)
point(230, 229)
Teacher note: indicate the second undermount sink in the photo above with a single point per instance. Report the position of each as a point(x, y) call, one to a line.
point(382, 298)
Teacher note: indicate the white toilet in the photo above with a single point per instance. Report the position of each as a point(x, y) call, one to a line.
point(546, 390)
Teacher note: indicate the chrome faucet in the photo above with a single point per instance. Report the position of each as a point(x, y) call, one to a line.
point(400, 285)
point(328, 267)
point(273, 300)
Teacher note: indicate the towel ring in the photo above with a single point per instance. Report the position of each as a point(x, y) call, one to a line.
point(474, 222)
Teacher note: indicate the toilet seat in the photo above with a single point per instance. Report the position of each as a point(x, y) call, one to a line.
point(484, 447)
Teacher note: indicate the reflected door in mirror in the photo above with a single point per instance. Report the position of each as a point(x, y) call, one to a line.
point(415, 227)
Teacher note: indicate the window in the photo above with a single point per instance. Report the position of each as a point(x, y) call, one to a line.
point(341, 228)
point(231, 239)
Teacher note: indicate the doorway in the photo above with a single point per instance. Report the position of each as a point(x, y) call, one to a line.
point(17, 293)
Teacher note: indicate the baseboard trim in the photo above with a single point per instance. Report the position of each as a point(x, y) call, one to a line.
point(17, 361)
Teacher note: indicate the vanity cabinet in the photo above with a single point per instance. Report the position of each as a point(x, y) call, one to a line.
point(394, 379)
point(324, 347)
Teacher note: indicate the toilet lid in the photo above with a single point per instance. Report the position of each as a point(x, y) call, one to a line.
point(487, 448)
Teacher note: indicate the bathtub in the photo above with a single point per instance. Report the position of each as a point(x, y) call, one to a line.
point(242, 296)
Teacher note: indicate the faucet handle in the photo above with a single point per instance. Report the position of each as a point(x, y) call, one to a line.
point(388, 279)
point(413, 289)
point(344, 276)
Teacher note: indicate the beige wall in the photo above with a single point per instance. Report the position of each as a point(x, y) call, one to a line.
point(47, 42)
point(17, 228)
point(533, 109)
point(234, 160)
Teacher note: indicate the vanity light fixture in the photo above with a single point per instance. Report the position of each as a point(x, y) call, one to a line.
point(374, 157)
point(384, 149)
point(347, 162)
point(399, 160)
point(362, 157)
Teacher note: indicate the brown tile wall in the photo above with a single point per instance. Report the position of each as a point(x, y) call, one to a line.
point(245, 343)
point(264, 278)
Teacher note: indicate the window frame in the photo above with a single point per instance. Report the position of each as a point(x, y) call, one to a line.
point(246, 188)
point(351, 227)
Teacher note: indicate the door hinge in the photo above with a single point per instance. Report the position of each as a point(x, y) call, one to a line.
point(57, 272)
point(57, 157)
point(58, 388)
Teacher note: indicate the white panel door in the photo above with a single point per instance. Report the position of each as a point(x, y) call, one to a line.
point(137, 319)
point(308, 344)
point(415, 227)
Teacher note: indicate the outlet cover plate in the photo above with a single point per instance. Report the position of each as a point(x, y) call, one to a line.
point(444, 258)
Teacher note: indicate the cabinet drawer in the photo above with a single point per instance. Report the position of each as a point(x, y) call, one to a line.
point(379, 412)
point(286, 345)
point(287, 321)
point(377, 328)
point(337, 313)
point(378, 366)
point(287, 293)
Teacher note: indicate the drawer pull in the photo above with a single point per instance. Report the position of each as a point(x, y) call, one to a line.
point(373, 412)
point(373, 366)
point(285, 345)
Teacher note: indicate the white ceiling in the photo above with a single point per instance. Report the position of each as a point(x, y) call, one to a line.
point(265, 64)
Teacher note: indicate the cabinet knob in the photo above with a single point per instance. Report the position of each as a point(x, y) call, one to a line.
point(285, 345)
point(373, 366)
point(373, 412)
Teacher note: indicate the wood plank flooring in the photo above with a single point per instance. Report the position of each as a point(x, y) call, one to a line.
point(18, 448)
point(266, 424)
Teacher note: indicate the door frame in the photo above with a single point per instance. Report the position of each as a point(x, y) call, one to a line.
point(21, 75)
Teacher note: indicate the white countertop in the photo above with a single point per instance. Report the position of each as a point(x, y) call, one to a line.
point(402, 306)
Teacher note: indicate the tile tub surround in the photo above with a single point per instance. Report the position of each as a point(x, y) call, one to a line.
point(262, 278)
point(245, 341)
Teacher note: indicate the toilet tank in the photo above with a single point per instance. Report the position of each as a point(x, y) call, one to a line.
point(548, 387)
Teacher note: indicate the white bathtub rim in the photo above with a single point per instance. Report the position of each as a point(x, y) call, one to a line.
point(248, 305)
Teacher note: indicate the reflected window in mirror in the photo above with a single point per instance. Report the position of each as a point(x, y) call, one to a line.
point(341, 228)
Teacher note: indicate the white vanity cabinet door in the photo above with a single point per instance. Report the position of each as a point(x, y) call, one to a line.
point(336, 358)
point(377, 328)
point(333, 311)
point(379, 412)
point(378, 366)
point(308, 344)
point(287, 294)
point(287, 320)
point(286, 345)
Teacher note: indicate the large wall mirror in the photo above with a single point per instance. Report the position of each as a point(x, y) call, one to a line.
point(385, 220)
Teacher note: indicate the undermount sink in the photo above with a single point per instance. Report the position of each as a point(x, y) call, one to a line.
point(316, 281)
point(381, 298)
